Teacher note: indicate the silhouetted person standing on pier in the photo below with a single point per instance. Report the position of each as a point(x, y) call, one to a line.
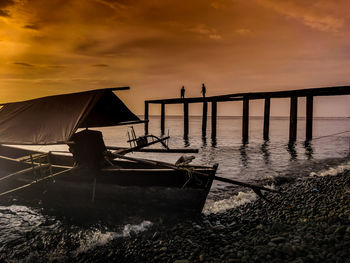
point(204, 90)
point(182, 92)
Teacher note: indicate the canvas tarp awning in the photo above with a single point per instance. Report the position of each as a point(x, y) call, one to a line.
point(54, 119)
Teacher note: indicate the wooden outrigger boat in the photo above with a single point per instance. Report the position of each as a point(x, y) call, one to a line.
point(90, 177)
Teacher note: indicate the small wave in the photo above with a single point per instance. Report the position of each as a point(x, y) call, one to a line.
point(96, 238)
point(333, 171)
point(14, 209)
point(128, 229)
point(221, 206)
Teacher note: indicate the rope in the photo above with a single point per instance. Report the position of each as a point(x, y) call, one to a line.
point(330, 135)
point(189, 173)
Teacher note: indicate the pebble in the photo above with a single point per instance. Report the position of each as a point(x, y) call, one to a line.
point(301, 225)
point(163, 249)
point(259, 227)
point(348, 229)
point(278, 240)
point(155, 236)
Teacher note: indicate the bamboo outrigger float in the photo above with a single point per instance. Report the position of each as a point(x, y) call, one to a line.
point(91, 177)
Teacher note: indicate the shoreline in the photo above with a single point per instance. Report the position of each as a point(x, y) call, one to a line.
point(310, 222)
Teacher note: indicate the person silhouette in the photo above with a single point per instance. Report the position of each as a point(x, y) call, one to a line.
point(204, 90)
point(182, 92)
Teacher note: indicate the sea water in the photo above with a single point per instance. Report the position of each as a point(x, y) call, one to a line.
point(26, 233)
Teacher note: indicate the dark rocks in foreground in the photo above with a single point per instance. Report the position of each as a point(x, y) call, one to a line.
point(310, 222)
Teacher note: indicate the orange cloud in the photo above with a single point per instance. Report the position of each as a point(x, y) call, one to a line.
point(156, 46)
point(314, 14)
point(206, 31)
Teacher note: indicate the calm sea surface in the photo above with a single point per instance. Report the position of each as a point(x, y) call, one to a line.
point(26, 233)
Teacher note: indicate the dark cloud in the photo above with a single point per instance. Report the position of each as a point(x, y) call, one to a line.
point(4, 13)
point(87, 46)
point(23, 64)
point(45, 13)
point(32, 26)
point(6, 3)
point(101, 65)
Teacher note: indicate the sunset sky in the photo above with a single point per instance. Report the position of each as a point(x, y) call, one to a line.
point(156, 46)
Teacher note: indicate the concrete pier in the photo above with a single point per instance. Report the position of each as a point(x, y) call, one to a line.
point(293, 95)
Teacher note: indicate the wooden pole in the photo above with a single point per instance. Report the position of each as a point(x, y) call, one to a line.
point(245, 119)
point(146, 118)
point(185, 119)
point(293, 118)
point(162, 118)
point(213, 119)
point(267, 118)
point(204, 118)
point(309, 116)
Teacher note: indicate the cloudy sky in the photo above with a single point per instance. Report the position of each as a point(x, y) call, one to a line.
point(156, 46)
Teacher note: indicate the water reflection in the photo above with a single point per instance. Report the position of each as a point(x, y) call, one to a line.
point(186, 141)
point(266, 151)
point(213, 155)
point(292, 151)
point(308, 149)
point(204, 140)
point(213, 142)
point(244, 156)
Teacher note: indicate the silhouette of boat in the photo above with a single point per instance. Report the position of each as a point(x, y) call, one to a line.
point(90, 177)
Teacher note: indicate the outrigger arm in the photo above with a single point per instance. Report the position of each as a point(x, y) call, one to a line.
point(256, 188)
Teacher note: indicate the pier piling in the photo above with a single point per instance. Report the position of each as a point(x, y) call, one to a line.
point(204, 118)
point(162, 118)
point(245, 119)
point(186, 119)
point(146, 118)
point(309, 117)
point(266, 118)
point(213, 119)
point(293, 120)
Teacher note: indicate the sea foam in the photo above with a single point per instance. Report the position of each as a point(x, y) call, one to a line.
point(215, 207)
point(333, 171)
point(95, 238)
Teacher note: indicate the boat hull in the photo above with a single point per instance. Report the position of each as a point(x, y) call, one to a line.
point(126, 189)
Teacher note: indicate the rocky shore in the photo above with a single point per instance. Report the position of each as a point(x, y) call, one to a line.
point(309, 222)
